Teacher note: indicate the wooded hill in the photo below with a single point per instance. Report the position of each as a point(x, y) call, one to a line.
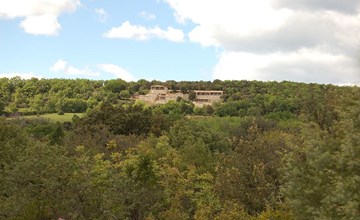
point(269, 150)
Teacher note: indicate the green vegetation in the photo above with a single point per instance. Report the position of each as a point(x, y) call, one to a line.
point(54, 117)
point(268, 151)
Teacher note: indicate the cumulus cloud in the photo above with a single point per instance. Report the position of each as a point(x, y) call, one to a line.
point(117, 71)
point(148, 16)
point(141, 33)
point(21, 75)
point(346, 6)
point(102, 14)
point(62, 66)
point(40, 17)
point(271, 39)
point(304, 66)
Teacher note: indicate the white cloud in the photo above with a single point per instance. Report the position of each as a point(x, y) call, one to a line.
point(138, 32)
point(62, 66)
point(304, 65)
point(21, 75)
point(40, 17)
point(117, 71)
point(346, 6)
point(102, 14)
point(259, 36)
point(148, 16)
point(42, 25)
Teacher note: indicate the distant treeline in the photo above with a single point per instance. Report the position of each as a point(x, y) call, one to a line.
point(241, 98)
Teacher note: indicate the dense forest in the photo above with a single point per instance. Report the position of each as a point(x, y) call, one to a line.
point(268, 150)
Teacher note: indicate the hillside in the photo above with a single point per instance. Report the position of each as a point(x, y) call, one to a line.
point(265, 150)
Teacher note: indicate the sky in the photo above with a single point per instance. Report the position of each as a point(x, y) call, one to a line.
point(295, 40)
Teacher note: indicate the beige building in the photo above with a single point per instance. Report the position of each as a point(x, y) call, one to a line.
point(158, 89)
point(206, 97)
point(161, 94)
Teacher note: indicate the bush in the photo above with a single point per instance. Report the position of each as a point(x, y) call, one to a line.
point(74, 105)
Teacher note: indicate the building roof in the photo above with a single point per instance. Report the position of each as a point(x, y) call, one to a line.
point(158, 86)
point(208, 91)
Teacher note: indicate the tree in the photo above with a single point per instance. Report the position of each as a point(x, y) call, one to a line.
point(92, 102)
point(33, 178)
point(20, 99)
point(12, 142)
point(115, 85)
point(322, 172)
point(2, 107)
point(347, 186)
point(192, 96)
point(74, 105)
point(56, 137)
point(125, 94)
point(249, 175)
point(37, 103)
point(133, 119)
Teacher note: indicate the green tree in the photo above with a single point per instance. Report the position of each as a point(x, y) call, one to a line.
point(56, 137)
point(2, 107)
point(36, 185)
point(192, 96)
point(92, 102)
point(37, 103)
point(74, 105)
point(125, 94)
point(347, 186)
point(115, 85)
point(12, 142)
point(322, 172)
point(249, 174)
point(20, 99)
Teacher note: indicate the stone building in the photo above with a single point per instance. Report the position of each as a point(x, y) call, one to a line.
point(207, 97)
point(159, 94)
point(159, 89)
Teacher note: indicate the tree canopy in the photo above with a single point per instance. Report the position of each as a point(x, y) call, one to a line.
point(268, 150)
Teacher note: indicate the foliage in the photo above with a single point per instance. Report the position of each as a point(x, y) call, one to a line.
point(66, 117)
point(192, 96)
point(270, 150)
point(321, 174)
point(132, 119)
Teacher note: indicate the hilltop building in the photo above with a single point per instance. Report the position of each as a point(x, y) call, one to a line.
point(206, 97)
point(161, 94)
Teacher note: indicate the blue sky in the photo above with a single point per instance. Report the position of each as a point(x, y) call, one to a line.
point(81, 44)
point(302, 40)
